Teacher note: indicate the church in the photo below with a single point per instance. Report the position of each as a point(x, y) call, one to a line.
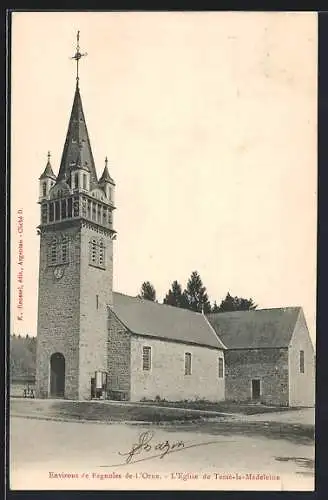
point(94, 342)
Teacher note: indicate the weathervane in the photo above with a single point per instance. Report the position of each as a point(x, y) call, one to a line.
point(78, 56)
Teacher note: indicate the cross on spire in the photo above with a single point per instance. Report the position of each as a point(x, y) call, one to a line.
point(78, 56)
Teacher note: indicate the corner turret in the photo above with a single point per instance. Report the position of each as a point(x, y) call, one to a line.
point(107, 183)
point(47, 180)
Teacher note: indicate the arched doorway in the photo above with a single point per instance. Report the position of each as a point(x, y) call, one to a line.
point(57, 375)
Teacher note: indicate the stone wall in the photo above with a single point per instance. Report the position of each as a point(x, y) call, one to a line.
point(58, 315)
point(119, 357)
point(268, 365)
point(167, 379)
point(94, 281)
point(302, 385)
point(71, 320)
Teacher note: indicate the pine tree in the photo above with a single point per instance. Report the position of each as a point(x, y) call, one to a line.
point(175, 296)
point(227, 304)
point(236, 304)
point(147, 291)
point(196, 295)
point(215, 308)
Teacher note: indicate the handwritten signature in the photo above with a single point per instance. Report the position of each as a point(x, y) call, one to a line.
point(145, 444)
point(146, 448)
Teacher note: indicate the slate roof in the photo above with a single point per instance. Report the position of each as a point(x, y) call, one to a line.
point(148, 318)
point(48, 172)
point(77, 151)
point(261, 328)
point(106, 177)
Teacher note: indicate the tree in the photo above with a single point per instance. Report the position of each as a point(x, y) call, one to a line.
point(147, 291)
point(215, 308)
point(175, 296)
point(196, 295)
point(236, 304)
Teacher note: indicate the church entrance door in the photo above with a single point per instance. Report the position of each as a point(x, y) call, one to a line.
point(57, 375)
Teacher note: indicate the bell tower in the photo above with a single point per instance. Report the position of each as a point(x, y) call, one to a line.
point(76, 265)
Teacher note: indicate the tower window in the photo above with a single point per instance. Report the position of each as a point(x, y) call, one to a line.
point(302, 362)
point(44, 189)
point(97, 301)
point(69, 207)
point(64, 250)
point(220, 368)
point(99, 213)
point(187, 363)
point(51, 212)
point(89, 209)
point(97, 253)
point(93, 251)
point(76, 180)
point(84, 207)
point(44, 214)
point(101, 254)
point(76, 207)
point(84, 181)
point(57, 210)
point(63, 209)
point(146, 358)
point(94, 211)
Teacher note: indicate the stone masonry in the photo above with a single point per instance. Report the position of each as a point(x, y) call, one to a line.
point(270, 366)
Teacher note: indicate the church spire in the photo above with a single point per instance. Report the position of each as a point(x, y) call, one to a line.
point(77, 153)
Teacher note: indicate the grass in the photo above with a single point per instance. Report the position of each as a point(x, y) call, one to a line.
point(221, 406)
point(84, 410)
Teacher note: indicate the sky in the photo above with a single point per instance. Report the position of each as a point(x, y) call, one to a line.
point(209, 123)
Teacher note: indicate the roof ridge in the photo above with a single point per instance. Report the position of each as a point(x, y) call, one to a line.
point(158, 303)
point(256, 310)
point(214, 332)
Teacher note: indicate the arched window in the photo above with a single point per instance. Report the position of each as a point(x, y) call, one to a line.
point(76, 183)
point(187, 363)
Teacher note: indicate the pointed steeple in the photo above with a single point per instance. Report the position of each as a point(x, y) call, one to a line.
point(48, 173)
point(105, 175)
point(77, 151)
